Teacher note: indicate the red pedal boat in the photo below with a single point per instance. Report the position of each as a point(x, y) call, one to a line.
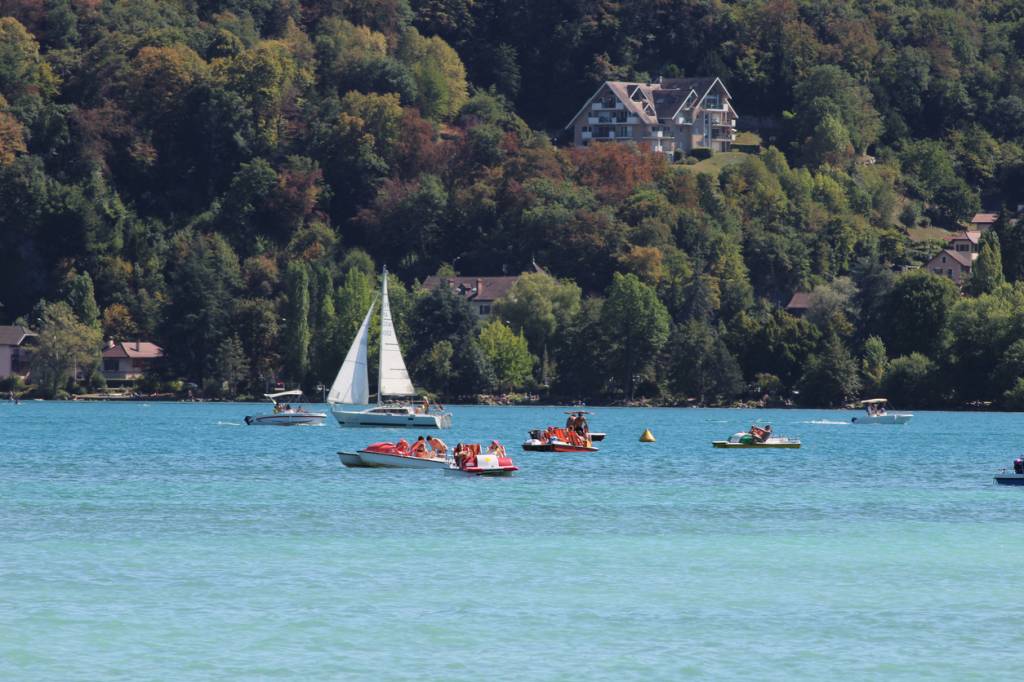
point(554, 439)
point(467, 459)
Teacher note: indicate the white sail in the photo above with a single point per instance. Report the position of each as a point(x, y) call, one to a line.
point(352, 385)
point(394, 377)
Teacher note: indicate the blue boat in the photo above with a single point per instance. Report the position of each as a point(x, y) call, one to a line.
point(1010, 479)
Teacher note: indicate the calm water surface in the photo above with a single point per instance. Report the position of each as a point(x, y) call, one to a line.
point(168, 541)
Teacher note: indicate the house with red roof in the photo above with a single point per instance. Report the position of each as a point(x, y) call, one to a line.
point(955, 264)
point(479, 292)
point(983, 221)
point(127, 361)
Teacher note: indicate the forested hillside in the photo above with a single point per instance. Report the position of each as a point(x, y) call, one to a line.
point(226, 178)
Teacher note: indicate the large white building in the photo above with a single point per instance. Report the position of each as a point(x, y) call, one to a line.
point(668, 115)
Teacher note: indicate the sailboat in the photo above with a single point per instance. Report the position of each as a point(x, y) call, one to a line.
point(351, 388)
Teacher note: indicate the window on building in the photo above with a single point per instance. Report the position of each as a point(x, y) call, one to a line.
point(937, 271)
point(623, 131)
point(950, 273)
point(485, 309)
point(943, 259)
point(110, 364)
point(712, 102)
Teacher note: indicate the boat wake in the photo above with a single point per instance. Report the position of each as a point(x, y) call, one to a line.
point(230, 424)
point(831, 422)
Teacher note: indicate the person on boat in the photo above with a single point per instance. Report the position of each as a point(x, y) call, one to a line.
point(437, 445)
point(496, 448)
point(1018, 465)
point(419, 448)
point(426, 406)
point(459, 454)
point(402, 446)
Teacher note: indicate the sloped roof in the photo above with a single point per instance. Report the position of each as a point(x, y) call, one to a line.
point(666, 96)
point(480, 289)
point(985, 218)
point(961, 257)
point(13, 335)
point(801, 301)
point(973, 236)
point(143, 350)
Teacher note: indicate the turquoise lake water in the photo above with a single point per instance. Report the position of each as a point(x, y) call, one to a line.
point(168, 541)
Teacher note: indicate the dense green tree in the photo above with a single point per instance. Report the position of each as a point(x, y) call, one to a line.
point(831, 377)
point(202, 284)
point(65, 344)
point(637, 325)
point(538, 305)
point(507, 354)
point(80, 295)
point(874, 364)
point(987, 273)
point(231, 366)
point(701, 365)
point(911, 381)
point(297, 331)
point(916, 312)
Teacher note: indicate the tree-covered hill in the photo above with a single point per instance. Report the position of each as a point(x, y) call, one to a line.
point(226, 177)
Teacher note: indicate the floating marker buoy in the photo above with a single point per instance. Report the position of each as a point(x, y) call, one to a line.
point(647, 436)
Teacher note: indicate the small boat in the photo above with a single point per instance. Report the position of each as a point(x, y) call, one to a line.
point(469, 460)
point(876, 413)
point(757, 437)
point(350, 393)
point(554, 439)
point(286, 415)
point(393, 456)
point(1016, 478)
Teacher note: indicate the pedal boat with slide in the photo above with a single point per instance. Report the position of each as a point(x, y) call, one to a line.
point(393, 456)
point(555, 439)
point(757, 437)
point(471, 462)
point(286, 415)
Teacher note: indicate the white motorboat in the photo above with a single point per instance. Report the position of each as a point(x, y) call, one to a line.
point(350, 393)
point(876, 413)
point(286, 415)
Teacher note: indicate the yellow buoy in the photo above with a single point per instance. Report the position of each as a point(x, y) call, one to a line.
point(647, 436)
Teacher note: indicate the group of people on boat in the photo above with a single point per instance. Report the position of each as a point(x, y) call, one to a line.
point(429, 447)
point(286, 407)
point(465, 454)
point(876, 409)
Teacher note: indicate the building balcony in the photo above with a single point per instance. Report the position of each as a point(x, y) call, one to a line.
point(586, 135)
point(602, 106)
point(632, 118)
point(593, 120)
point(724, 122)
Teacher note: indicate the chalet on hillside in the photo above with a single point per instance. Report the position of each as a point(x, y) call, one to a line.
point(665, 116)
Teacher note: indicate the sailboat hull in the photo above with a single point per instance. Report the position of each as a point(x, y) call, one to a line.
point(392, 417)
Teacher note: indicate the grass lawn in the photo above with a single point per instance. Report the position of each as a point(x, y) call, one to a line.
point(925, 234)
point(716, 163)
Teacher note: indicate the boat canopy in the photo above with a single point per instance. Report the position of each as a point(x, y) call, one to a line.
point(874, 401)
point(579, 412)
point(275, 396)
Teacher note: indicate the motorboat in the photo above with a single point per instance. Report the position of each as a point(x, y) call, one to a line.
point(349, 396)
point(876, 412)
point(469, 460)
point(757, 437)
point(554, 439)
point(284, 414)
point(394, 456)
point(1016, 478)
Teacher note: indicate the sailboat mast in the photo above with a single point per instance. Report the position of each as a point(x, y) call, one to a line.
point(384, 305)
